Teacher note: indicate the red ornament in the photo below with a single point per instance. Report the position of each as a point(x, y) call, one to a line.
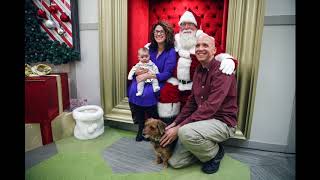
point(53, 9)
point(64, 17)
point(41, 13)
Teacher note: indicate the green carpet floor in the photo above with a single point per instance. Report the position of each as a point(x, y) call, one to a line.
point(82, 160)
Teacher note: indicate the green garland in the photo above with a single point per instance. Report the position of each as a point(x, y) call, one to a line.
point(38, 46)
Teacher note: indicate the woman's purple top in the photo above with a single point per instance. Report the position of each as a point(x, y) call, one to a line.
point(166, 62)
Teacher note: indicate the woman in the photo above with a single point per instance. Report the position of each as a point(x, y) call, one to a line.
point(162, 53)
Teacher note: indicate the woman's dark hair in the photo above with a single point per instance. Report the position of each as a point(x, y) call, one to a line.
point(169, 42)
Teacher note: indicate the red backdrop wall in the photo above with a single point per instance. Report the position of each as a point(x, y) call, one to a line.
point(142, 14)
point(138, 27)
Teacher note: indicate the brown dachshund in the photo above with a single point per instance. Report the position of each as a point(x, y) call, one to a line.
point(154, 129)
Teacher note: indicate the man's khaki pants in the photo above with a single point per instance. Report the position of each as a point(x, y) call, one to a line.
point(198, 141)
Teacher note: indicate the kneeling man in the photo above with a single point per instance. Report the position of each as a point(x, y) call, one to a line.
point(209, 116)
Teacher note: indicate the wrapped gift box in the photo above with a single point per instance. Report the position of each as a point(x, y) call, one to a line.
point(45, 98)
point(63, 126)
point(32, 136)
point(41, 100)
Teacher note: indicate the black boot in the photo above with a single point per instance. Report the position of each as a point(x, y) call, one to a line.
point(212, 165)
point(139, 136)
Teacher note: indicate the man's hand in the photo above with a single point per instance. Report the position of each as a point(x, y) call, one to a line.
point(170, 135)
point(227, 66)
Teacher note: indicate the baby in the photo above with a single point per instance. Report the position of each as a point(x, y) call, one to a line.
point(145, 63)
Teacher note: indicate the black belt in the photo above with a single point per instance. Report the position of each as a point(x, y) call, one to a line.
point(184, 82)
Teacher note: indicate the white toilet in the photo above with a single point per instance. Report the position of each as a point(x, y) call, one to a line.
point(89, 122)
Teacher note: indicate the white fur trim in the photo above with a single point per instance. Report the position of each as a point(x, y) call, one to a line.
point(89, 122)
point(167, 110)
point(87, 113)
point(188, 17)
point(92, 128)
point(199, 32)
point(222, 56)
point(183, 68)
point(177, 45)
point(183, 53)
point(183, 87)
point(173, 81)
point(84, 131)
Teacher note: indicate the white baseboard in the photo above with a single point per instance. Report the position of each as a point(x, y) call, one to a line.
point(257, 145)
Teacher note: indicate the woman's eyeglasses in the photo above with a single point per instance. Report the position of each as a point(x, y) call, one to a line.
point(161, 32)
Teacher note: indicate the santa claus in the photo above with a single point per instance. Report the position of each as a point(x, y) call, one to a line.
point(175, 92)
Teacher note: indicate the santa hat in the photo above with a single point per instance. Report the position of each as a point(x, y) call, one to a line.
point(190, 16)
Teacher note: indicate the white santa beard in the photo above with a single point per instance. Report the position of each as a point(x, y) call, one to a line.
point(188, 40)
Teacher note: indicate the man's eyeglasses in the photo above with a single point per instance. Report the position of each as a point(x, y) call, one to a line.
point(184, 24)
point(159, 32)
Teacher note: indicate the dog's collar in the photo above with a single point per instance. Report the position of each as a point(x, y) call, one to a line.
point(155, 140)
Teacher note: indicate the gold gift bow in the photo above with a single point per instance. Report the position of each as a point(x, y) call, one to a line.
point(37, 70)
point(27, 70)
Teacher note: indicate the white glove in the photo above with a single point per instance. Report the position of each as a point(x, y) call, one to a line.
point(227, 66)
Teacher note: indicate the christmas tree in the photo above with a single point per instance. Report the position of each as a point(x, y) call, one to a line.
point(38, 46)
